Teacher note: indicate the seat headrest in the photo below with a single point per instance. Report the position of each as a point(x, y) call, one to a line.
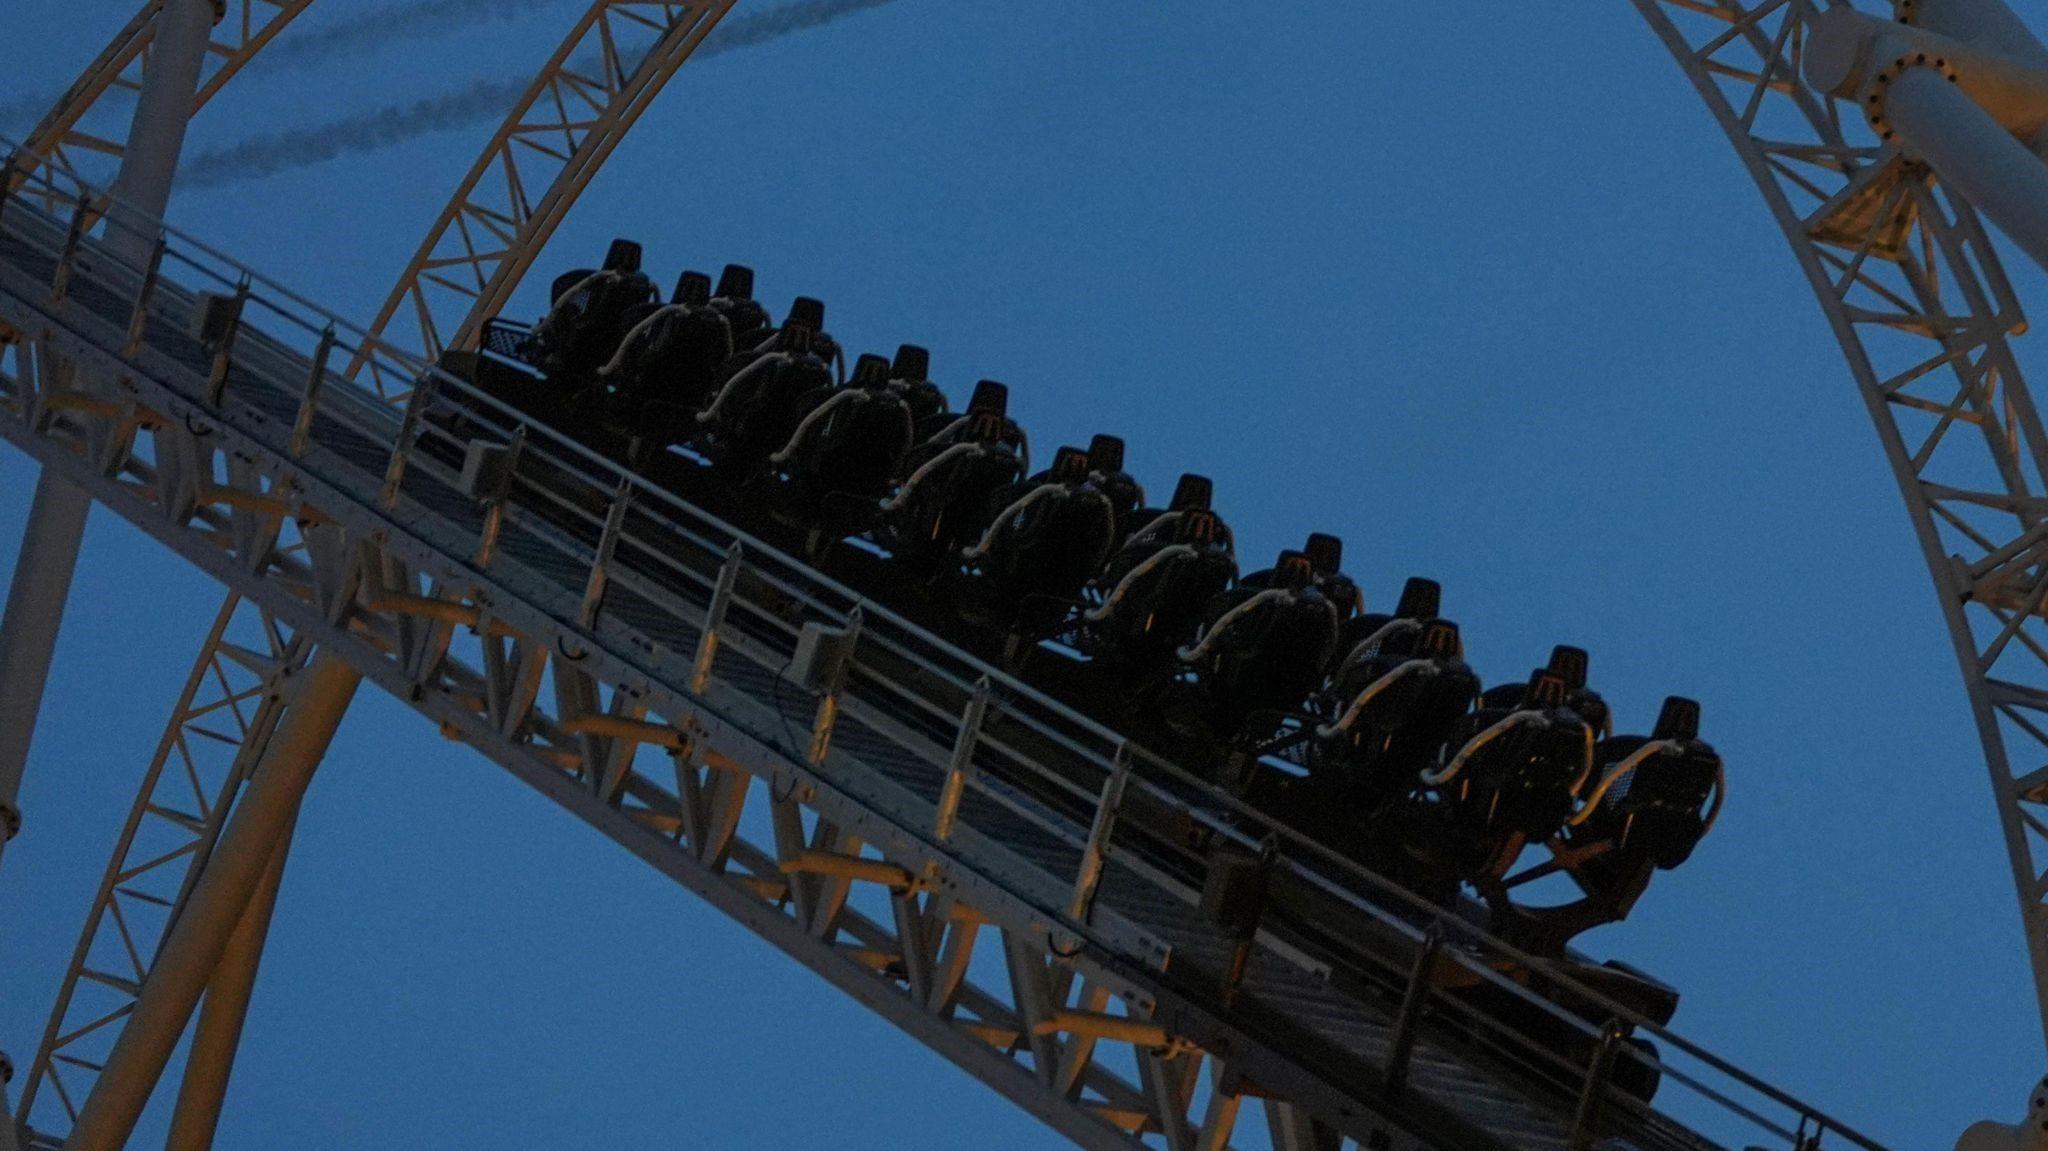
point(692, 289)
point(1420, 599)
point(985, 427)
point(1069, 465)
point(912, 363)
point(1106, 454)
point(1570, 664)
point(1440, 640)
point(1546, 690)
point(622, 256)
point(736, 282)
point(794, 341)
point(1325, 552)
point(806, 312)
point(1193, 493)
point(1292, 570)
point(871, 371)
point(1679, 719)
point(991, 398)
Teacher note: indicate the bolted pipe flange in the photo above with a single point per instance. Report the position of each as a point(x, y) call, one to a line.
point(10, 821)
point(1880, 86)
point(1906, 11)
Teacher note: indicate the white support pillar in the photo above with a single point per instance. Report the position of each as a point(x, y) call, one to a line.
point(1974, 155)
point(211, 1059)
point(192, 953)
point(1986, 24)
point(56, 523)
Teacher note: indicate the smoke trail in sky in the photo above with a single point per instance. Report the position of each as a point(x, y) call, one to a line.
point(385, 27)
point(485, 100)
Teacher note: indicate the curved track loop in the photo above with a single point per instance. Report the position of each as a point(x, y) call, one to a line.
point(81, 136)
point(1924, 314)
point(610, 67)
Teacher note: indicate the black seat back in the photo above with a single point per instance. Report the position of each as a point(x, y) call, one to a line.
point(1193, 492)
point(806, 312)
point(622, 256)
point(1679, 719)
point(1325, 553)
point(1106, 454)
point(736, 282)
point(990, 398)
point(870, 372)
point(1420, 599)
point(912, 363)
point(693, 289)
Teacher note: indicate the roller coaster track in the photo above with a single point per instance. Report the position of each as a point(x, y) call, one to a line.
point(1916, 295)
point(623, 653)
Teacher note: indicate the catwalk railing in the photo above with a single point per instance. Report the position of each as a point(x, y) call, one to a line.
point(922, 771)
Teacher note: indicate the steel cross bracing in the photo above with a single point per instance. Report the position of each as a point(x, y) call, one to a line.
point(609, 68)
point(224, 717)
point(560, 626)
point(82, 134)
point(1920, 303)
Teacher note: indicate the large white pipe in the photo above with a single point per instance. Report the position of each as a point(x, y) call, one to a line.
point(1986, 24)
point(1974, 155)
point(56, 522)
point(252, 840)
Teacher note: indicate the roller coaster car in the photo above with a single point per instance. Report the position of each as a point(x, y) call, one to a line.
point(956, 479)
point(667, 363)
point(1053, 533)
point(758, 409)
point(910, 379)
point(840, 460)
point(587, 317)
point(1106, 471)
point(1421, 600)
point(1570, 664)
point(1159, 583)
point(734, 300)
point(1262, 649)
point(1658, 796)
point(1390, 705)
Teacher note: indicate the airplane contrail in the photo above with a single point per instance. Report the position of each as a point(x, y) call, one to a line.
point(487, 99)
point(355, 36)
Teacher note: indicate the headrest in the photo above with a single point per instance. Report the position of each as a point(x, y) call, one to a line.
point(1325, 552)
point(871, 371)
point(1546, 690)
point(1069, 466)
point(1570, 665)
point(795, 341)
point(1292, 570)
point(990, 397)
point(1106, 454)
point(1193, 492)
point(736, 282)
point(806, 312)
point(1440, 640)
point(693, 289)
point(1679, 719)
point(912, 363)
point(1199, 526)
point(1420, 599)
point(622, 256)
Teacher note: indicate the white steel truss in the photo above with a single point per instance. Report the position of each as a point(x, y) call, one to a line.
point(224, 718)
point(82, 135)
point(580, 624)
point(609, 68)
point(1919, 301)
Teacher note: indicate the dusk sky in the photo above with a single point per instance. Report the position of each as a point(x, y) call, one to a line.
point(1481, 288)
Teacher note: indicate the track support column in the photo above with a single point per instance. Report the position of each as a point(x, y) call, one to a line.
point(56, 523)
point(193, 951)
point(211, 1059)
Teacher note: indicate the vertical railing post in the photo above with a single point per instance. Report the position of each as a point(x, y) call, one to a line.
point(494, 501)
point(408, 430)
point(309, 402)
point(962, 762)
point(81, 217)
point(714, 617)
point(1594, 1093)
point(1409, 1019)
point(138, 319)
point(224, 345)
point(1094, 855)
point(607, 543)
point(827, 716)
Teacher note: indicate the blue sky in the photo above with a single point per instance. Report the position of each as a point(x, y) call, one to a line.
point(1484, 291)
